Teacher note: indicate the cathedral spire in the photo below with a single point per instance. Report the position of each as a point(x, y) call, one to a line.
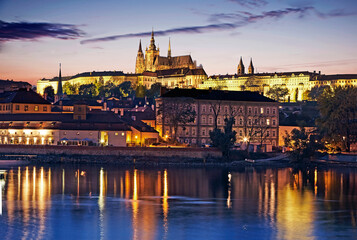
point(251, 67)
point(140, 49)
point(59, 86)
point(169, 51)
point(152, 42)
point(240, 69)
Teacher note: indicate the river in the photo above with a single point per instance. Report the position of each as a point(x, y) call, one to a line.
point(110, 202)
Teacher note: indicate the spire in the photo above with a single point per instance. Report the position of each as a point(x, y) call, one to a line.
point(152, 42)
point(169, 51)
point(251, 67)
point(240, 69)
point(140, 49)
point(59, 86)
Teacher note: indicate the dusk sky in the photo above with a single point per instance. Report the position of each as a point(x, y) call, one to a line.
point(89, 35)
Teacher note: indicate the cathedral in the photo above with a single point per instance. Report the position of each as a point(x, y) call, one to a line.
point(152, 61)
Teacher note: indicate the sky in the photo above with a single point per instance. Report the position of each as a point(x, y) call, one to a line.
point(103, 35)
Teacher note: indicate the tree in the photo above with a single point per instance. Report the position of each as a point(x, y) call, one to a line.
point(154, 90)
point(176, 112)
point(126, 89)
point(316, 91)
point(49, 92)
point(300, 143)
point(140, 91)
point(70, 89)
point(88, 90)
point(278, 93)
point(224, 140)
point(338, 110)
point(215, 106)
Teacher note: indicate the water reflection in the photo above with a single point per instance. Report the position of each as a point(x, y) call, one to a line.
point(166, 203)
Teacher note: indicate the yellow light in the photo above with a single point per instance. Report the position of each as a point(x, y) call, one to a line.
point(102, 140)
point(245, 139)
point(35, 140)
point(122, 134)
point(43, 132)
point(136, 137)
point(42, 140)
point(20, 139)
point(11, 131)
point(27, 131)
point(27, 140)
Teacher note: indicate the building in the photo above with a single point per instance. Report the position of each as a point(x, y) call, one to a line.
point(256, 116)
point(99, 128)
point(298, 83)
point(152, 61)
point(23, 100)
point(10, 85)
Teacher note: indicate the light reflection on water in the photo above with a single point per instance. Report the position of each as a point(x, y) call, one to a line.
point(110, 202)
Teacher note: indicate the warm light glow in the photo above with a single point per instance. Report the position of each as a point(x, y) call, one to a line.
point(27, 131)
point(27, 141)
point(245, 139)
point(12, 131)
point(43, 132)
point(42, 140)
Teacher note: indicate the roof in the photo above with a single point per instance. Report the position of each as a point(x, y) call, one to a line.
point(177, 61)
point(138, 125)
point(336, 77)
point(263, 74)
point(180, 72)
point(22, 96)
point(246, 96)
point(95, 121)
point(71, 102)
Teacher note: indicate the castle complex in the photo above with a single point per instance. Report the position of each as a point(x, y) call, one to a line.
point(183, 72)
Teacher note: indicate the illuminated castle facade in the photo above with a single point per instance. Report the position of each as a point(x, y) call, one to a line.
point(298, 83)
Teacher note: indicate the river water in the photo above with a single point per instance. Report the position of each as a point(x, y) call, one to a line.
point(94, 202)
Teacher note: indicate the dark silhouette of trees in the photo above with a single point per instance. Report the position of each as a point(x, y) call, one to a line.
point(278, 93)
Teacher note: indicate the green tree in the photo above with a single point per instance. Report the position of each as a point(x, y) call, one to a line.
point(154, 91)
point(140, 91)
point(126, 89)
point(88, 90)
point(317, 91)
point(338, 115)
point(49, 92)
point(300, 144)
point(176, 112)
point(70, 89)
point(224, 140)
point(278, 93)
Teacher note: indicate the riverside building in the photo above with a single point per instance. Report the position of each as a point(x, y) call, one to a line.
point(256, 117)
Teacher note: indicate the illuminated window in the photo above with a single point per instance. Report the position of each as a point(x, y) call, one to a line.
point(36, 108)
point(116, 134)
point(261, 110)
point(268, 121)
point(26, 108)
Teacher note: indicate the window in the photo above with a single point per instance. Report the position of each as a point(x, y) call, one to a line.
point(261, 110)
point(268, 110)
point(273, 133)
point(268, 133)
point(77, 133)
point(240, 121)
point(116, 134)
point(226, 109)
point(240, 133)
point(204, 108)
point(273, 122)
point(210, 120)
point(204, 120)
point(17, 107)
point(249, 121)
point(218, 120)
point(203, 132)
point(0, 107)
point(210, 109)
point(274, 110)
point(240, 110)
point(193, 131)
point(268, 122)
point(36, 108)
point(255, 110)
point(26, 108)
point(249, 110)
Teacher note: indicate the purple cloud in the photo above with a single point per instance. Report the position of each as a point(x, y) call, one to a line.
point(227, 21)
point(250, 3)
point(31, 30)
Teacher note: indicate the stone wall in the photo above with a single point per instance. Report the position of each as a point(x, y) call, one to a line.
point(102, 154)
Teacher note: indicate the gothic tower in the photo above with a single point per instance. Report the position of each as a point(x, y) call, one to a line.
point(59, 94)
point(151, 54)
point(140, 67)
point(240, 69)
point(169, 50)
point(251, 67)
